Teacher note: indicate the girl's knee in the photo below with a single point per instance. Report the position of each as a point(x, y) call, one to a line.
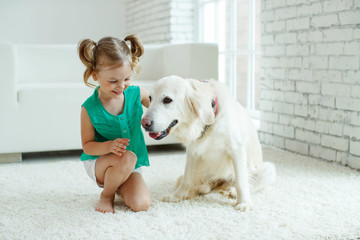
point(138, 205)
point(126, 161)
point(129, 155)
point(129, 159)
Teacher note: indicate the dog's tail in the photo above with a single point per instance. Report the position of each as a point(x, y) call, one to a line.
point(263, 177)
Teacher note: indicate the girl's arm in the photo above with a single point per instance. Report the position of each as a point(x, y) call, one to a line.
point(91, 147)
point(145, 100)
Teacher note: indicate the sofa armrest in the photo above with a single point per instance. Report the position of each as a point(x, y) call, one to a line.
point(191, 60)
point(9, 107)
point(8, 90)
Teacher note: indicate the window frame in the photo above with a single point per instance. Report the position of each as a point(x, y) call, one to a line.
point(233, 53)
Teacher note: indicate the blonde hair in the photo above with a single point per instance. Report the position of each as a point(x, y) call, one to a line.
point(109, 51)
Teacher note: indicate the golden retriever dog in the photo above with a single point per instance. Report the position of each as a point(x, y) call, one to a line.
point(223, 151)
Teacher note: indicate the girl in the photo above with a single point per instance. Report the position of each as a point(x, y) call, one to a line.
point(114, 149)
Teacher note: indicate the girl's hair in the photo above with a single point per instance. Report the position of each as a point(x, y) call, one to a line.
point(109, 51)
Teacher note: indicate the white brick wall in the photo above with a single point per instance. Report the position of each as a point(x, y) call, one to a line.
point(161, 21)
point(310, 78)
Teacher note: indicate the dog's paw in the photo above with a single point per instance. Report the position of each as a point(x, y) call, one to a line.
point(204, 189)
point(170, 198)
point(177, 196)
point(230, 192)
point(245, 206)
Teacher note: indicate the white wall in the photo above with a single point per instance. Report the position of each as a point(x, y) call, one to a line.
point(60, 21)
point(161, 21)
point(310, 97)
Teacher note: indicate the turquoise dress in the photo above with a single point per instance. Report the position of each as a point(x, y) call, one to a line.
point(126, 125)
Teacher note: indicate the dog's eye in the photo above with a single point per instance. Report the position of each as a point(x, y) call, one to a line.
point(150, 98)
point(167, 100)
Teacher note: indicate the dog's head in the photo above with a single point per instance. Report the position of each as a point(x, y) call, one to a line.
point(177, 103)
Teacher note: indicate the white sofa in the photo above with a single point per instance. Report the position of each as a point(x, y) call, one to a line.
point(42, 91)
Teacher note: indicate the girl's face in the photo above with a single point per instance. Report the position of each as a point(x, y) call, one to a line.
point(113, 80)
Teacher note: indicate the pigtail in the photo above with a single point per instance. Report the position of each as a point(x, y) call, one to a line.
point(137, 51)
point(86, 49)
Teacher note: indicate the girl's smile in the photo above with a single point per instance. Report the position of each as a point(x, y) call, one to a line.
point(114, 80)
point(117, 92)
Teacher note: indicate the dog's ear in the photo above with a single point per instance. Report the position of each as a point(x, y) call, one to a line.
point(200, 99)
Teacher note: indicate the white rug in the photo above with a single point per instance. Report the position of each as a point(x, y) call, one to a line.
point(55, 199)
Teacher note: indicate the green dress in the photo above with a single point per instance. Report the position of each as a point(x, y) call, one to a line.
point(126, 125)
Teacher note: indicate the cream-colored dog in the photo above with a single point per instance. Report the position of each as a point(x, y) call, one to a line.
point(222, 145)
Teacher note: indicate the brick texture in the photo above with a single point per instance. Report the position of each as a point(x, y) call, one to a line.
point(161, 21)
point(310, 96)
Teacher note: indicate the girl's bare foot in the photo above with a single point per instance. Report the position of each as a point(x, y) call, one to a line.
point(105, 204)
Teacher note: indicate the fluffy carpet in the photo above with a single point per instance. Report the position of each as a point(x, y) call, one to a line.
point(54, 199)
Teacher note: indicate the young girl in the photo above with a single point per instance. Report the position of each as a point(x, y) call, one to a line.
point(114, 149)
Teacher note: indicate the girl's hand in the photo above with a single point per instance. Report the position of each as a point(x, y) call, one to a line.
point(145, 99)
point(118, 146)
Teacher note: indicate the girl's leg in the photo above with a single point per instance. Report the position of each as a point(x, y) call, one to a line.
point(112, 170)
point(135, 193)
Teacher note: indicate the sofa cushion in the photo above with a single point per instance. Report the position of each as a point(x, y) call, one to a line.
point(48, 63)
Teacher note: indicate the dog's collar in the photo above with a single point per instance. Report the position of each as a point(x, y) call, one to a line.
point(214, 104)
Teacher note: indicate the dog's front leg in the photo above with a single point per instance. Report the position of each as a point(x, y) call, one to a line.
point(243, 200)
point(184, 189)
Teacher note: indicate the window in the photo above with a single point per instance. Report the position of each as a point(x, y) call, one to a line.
point(235, 26)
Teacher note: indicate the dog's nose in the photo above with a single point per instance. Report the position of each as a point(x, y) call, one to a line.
point(146, 123)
